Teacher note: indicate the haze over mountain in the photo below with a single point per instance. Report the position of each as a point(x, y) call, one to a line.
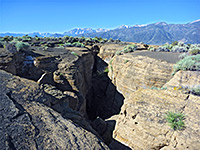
point(155, 33)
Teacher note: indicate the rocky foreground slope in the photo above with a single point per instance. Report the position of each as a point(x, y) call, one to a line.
point(70, 98)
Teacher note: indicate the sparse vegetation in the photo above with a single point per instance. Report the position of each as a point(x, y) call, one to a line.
point(22, 45)
point(127, 49)
point(106, 70)
point(74, 53)
point(195, 90)
point(175, 120)
point(191, 63)
point(175, 43)
point(126, 61)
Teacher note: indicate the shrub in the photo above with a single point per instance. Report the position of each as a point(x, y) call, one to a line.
point(129, 48)
point(22, 45)
point(188, 63)
point(106, 70)
point(194, 51)
point(175, 120)
point(162, 49)
point(78, 44)
point(126, 61)
point(179, 49)
point(167, 46)
point(175, 43)
point(152, 49)
point(74, 53)
point(183, 55)
point(68, 44)
point(26, 38)
point(196, 90)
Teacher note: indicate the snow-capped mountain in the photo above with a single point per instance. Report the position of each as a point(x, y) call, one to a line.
point(154, 33)
point(142, 25)
point(123, 27)
point(77, 31)
point(196, 21)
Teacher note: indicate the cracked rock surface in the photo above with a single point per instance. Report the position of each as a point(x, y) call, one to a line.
point(26, 121)
point(142, 123)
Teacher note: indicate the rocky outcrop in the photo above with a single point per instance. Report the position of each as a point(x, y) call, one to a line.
point(28, 122)
point(142, 123)
point(129, 72)
point(187, 79)
point(107, 51)
point(68, 70)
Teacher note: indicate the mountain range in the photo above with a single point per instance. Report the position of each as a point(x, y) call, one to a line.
point(155, 33)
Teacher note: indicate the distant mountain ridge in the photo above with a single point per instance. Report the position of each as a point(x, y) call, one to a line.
point(155, 33)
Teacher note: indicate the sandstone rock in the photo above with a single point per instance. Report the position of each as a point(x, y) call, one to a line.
point(188, 79)
point(26, 123)
point(130, 72)
point(107, 51)
point(142, 124)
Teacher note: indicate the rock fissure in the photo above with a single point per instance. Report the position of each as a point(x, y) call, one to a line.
point(79, 86)
point(10, 143)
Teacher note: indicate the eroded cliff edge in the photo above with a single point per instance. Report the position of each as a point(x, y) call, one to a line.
point(67, 93)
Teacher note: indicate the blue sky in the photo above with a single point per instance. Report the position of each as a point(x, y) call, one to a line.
point(62, 15)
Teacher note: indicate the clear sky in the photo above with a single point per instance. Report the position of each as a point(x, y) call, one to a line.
point(62, 15)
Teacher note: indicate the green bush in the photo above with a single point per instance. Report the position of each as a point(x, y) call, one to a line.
point(152, 49)
point(168, 46)
point(74, 53)
point(183, 55)
point(127, 49)
point(22, 45)
point(78, 44)
point(175, 120)
point(106, 70)
point(188, 63)
point(194, 51)
point(175, 43)
point(196, 90)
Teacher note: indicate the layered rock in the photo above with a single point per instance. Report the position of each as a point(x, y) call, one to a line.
point(27, 121)
point(68, 70)
point(130, 72)
point(107, 51)
point(187, 79)
point(142, 121)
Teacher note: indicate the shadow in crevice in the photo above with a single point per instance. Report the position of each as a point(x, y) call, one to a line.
point(103, 99)
point(114, 144)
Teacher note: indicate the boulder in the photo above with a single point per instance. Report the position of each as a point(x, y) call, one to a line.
point(142, 123)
